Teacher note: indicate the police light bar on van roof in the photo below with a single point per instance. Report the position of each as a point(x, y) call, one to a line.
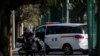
point(52, 22)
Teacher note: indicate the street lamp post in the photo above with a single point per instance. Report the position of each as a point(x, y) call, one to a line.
point(13, 21)
point(67, 21)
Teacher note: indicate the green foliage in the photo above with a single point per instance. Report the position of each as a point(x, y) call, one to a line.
point(79, 9)
point(46, 4)
point(28, 14)
point(77, 13)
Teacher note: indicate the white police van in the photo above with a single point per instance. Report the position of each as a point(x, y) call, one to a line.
point(65, 37)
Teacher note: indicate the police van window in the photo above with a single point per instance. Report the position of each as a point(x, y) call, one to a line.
point(68, 29)
point(63, 29)
point(49, 30)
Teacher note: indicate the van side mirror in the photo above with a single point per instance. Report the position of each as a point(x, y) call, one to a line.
point(40, 34)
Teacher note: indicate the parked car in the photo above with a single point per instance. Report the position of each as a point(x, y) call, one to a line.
point(66, 37)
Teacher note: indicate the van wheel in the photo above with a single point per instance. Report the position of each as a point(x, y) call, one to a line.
point(85, 52)
point(47, 49)
point(47, 52)
point(67, 49)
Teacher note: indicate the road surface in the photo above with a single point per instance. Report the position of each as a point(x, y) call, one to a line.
point(15, 53)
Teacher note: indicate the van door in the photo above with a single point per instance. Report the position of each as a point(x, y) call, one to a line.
point(52, 39)
point(40, 33)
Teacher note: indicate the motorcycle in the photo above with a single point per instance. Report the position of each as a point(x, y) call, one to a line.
point(37, 45)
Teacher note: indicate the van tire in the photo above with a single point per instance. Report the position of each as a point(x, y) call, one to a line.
point(85, 52)
point(47, 49)
point(67, 49)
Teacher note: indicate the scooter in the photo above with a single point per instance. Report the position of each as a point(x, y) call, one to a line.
point(37, 48)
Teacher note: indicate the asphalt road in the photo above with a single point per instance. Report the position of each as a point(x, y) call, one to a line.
point(15, 53)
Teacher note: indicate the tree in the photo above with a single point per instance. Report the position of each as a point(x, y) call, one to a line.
point(28, 14)
point(97, 50)
point(5, 24)
point(79, 9)
point(52, 9)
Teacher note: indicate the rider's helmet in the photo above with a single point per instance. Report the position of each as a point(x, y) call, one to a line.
point(27, 32)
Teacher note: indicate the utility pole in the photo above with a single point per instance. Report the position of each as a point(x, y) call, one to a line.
point(91, 26)
point(67, 21)
point(49, 14)
point(64, 10)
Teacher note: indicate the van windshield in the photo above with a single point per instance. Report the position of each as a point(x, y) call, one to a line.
point(85, 29)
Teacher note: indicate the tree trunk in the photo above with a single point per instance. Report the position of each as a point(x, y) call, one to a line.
point(98, 31)
point(5, 46)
